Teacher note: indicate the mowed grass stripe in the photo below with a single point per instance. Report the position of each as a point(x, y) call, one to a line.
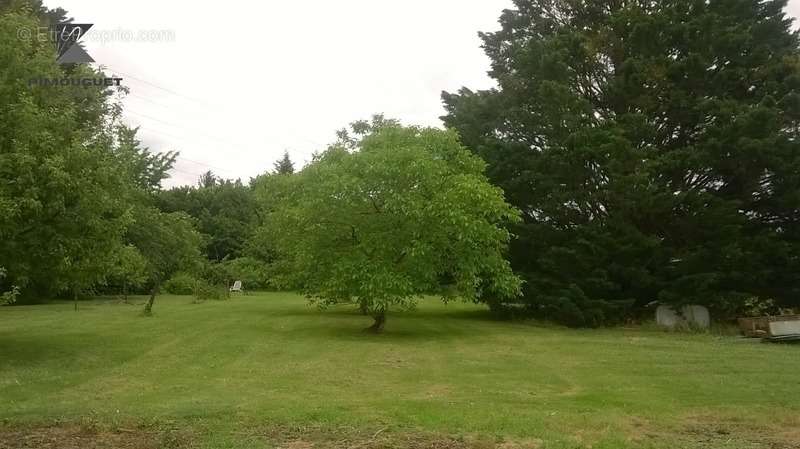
point(272, 358)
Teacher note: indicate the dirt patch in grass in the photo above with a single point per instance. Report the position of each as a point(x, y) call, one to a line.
point(719, 432)
point(709, 431)
point(692, 432)
point(77, 436)
point(80, 436)
point(383, 438)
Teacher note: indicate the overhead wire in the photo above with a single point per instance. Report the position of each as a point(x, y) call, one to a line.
point(230, 144)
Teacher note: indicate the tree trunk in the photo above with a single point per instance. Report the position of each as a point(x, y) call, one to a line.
point(75, 298)
point(148, 307)
point(380, 321)
point(125, 291)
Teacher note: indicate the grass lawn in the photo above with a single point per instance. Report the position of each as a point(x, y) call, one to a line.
point(267, 370)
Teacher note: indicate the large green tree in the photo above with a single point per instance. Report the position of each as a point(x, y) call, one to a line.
point(166, 242)
point(384, 219)
point(651, 146)
point(70, 173)
point(60, 186)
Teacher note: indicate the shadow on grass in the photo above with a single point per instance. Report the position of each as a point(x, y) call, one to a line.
point(348, 324)
point(19, 351)
point(389, 335)
point(422, 314)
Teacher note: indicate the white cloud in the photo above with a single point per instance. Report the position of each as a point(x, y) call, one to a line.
point(248, 80)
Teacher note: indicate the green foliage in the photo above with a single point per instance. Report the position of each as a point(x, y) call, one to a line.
point(129, 269)
point(70, 173)
point(180, 284)
point(203, 290)
point(271, 193)
point(207, 180)
point(9, 296)
point(223, 210)
point(763, 307)
point(284, 166)
point(652, 148)
point(400, 213)
point(186, 284)
point(253, 273)
point(167, 241)
point(131, 266)
point(146, 170)
point(62, 192)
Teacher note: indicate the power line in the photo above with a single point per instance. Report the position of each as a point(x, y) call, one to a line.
point(159, 87)
point(181, 157)
point(187, 140)
point(210, 136)
point(215, 107)
point(237, 145)
point(230, 144)
point(147, 100)
point(203, 164)
point(185, 172)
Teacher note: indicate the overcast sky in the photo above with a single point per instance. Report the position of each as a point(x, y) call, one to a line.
point(243, 81)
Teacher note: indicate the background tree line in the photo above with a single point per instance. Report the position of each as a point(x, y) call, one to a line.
point(650, 148)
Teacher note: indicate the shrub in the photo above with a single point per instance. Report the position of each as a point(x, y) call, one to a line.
point(253, 273)
point(180, 284)
point(10, 296)
point(755, 306)
point(570, 307)
point(202, 290)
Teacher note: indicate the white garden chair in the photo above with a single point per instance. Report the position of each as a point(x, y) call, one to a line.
point(236, 287)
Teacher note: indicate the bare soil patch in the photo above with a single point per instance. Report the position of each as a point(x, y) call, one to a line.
point(78, 436)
